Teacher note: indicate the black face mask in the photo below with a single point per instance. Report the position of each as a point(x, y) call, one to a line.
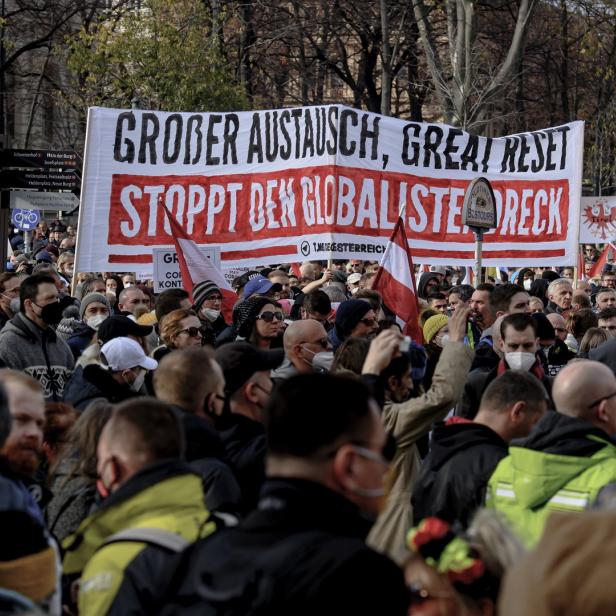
point(51, 314)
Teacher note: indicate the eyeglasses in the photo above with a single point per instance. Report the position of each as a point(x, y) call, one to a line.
point(600, 400)
point(323, 342)
point(193, 332)
point(368, 322)
point(268, 316)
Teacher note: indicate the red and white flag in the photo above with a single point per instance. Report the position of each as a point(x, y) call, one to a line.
point(396, 283)
point(581, 274)
point(469, 276)
point(597, 268)
point(195, 267)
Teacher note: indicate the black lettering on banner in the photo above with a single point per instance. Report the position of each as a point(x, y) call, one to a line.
point(346, 148)
point(128, 118)
point(508, 164)
point(255, 146)
point(285, 118)
point(212, 140)
point(549, 165)
point(451, 148)
point(563, 156)
point(486, 155)
point(193, 124)
point(271, 137)
point(431, 146)
point(535, 167)
point(296, 114)
point(470, 154)
point(524, 150)
point(232, 126)
point(332, 117)
point(413, 145)
point(308, 134)
point(321, 131)
point(366, 134)
point(173, 122)
point(148, 138)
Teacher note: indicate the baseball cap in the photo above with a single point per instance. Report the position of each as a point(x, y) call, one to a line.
point(240, 360)
point(123, 353)
point(118, 325)
point(353, 278)
point(438, 269)
point(259, 286)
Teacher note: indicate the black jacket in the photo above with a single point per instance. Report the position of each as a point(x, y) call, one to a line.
point(244, 441)
point(80, 338)
point(205, 452)
point(94, 382)
point(302, 552)
point(452, 481)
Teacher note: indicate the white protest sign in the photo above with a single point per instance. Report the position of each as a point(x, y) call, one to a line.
point(597, 220)
point(166, 267)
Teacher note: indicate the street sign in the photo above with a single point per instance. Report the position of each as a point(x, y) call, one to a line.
point(166, 267)
point(39, 179)
point(54, 201)
point(25, 220)
point(42, 159)
point(479, 209)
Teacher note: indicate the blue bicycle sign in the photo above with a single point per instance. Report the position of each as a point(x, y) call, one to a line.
point(25, 220)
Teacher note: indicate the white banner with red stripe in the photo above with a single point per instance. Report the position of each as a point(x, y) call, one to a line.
point(320, 182)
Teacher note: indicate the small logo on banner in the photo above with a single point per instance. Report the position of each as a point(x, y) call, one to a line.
point(600, 219)
point(305, 248)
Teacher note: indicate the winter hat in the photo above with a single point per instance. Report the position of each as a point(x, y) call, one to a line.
point(92, 297)
point(247, 312)
point(433, 325)
point(201, 291)
point(354, 278)
point(339, 276)
point(349, 314)
point(550, 275)
point(545, 330)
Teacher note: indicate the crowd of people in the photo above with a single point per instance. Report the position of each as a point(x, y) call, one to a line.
point(296, 452)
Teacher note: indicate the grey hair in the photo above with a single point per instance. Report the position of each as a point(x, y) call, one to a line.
point(557, 283)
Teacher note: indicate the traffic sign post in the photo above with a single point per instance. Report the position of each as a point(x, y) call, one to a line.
point(54, 201)
point(38, 159)
point(25, 220)
point(39, 179)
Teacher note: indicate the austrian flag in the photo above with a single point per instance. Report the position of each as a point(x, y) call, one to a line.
point(396, 283)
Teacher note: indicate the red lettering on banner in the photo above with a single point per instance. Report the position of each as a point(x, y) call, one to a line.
point(292, 203)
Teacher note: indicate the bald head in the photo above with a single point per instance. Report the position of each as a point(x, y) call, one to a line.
point(581, 389)
point(302, 341)
point(559, 324)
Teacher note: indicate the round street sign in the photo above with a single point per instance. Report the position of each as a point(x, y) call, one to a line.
point(25, 220)
point(479, 210)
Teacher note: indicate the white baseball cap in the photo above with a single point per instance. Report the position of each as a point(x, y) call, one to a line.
point(438, 269)
point(354, 278)
point(124, 353)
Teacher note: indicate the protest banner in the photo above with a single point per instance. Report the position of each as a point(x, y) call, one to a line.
point(597, 220)
point(320, 182)
point(166, 269)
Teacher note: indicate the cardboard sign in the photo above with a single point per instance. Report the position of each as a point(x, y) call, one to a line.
point(166, 269)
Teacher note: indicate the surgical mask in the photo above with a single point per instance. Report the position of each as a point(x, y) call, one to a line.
point(137, 384)
point(519, 360)
point(443, 341)
point(528, 283)
point(211, 314)
point(354, 290)
point(15, 305)
point(69, 271)
point(128, 285)
point(321, 362)
point(95, 321)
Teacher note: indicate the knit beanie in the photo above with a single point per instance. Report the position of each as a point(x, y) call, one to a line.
point(247, 311)
point(93, 297)
point(433, 325)
point(349, 314)
point(201, 291)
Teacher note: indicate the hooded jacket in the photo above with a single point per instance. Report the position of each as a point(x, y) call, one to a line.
point(38, 352)
point(453, 478)
point(94, 382)
point(126, 577)
point(408, 422)
point(301, 552)
point(561, 466)
point(423, 281)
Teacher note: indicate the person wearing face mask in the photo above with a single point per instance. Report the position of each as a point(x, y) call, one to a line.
point(9, 296)
point(327, 459)
point(304, 342)
point(28, 341)
point(153, 507)
point(519, 346)
point(207, 303)
point(248, 387)
point(93, 310)
point(436, 336)
point(119, 376)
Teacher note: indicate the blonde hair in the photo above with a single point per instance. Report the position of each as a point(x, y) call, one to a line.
point(9, 377)
point(171, 324)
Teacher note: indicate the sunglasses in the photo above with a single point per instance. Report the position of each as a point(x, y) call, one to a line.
point(268, 316)
point(193, 332)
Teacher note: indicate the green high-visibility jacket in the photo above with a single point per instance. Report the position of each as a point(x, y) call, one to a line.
point(528, 484)
point(117, 577)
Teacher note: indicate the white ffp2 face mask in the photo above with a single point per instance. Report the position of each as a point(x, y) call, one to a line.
point(528, 283)
point(211, 314)
point(95, 321)
point(520, 360)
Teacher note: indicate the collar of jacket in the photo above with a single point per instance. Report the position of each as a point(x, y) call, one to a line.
point(536, 369)
point(299, 504)
point(168, 487)
point(31, 330)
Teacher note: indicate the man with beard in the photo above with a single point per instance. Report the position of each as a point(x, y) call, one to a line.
point(9, 291)
point(28, 341)
point(27, 558)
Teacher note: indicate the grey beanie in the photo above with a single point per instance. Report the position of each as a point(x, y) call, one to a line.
point(92, 297)
point(201, 291)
